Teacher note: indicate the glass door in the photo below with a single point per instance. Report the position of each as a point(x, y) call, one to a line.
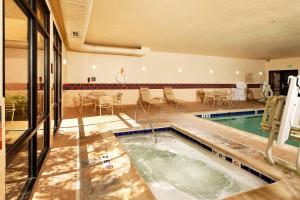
point(279, 80)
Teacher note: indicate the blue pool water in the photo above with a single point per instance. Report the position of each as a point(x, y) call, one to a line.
point(250, 124)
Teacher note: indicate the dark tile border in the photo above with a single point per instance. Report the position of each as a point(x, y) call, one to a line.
point(134, 86)
point(231, 114)
point(142, 131)
point(221, 155)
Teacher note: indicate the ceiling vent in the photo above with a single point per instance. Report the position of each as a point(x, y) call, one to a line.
point(75, 34)
point(76, 14)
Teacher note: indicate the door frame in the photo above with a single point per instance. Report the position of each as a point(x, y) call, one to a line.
point(57, 104)
point(281, 72)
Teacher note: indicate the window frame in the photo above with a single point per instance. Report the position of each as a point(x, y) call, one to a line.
point(30, 135)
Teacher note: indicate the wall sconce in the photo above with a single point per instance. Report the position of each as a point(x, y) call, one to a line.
point(93, 67)
point(143, 69)
point(237, 72)
point(179, 70)
point(211, 71)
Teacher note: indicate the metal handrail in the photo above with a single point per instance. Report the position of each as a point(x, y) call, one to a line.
point(139, 104)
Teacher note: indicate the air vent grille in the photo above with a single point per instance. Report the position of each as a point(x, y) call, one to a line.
point(75, 34)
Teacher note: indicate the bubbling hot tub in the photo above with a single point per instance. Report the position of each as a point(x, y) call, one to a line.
point(177, 168)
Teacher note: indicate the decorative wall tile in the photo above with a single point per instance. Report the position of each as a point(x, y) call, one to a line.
point(134, 86)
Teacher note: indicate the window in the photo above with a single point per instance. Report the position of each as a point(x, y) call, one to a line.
point(41, 14)
point(16, 72)
point(41, 65)
point(26, 82)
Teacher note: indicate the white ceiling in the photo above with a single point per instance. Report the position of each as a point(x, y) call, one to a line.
point(257, 29)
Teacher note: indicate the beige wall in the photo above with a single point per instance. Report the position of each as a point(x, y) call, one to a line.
point(282, 64)
point(2, 150)
point(160, 68)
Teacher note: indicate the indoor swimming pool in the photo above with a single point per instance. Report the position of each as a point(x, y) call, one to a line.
point(249, 124)
point(177, 168)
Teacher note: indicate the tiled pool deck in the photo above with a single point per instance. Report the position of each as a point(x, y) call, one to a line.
point(73, 169)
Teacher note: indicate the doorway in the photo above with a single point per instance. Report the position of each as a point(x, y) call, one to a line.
point(279, 80)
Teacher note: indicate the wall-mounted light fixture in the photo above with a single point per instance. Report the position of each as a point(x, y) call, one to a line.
point(237, 72)
point(211, 71)
point(64, 61)
point(144, 69)
point(93, 67)
point(260, 73)
point(179, 70)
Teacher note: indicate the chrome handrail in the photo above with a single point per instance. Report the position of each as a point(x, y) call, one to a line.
point(139, 104)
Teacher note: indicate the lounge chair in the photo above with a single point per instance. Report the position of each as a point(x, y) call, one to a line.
point(170, 97)
point(146, 98)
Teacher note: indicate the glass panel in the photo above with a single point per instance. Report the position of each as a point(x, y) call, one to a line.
point(16, 174)
point(16, 72)
point(40, 140)
point(40, 14)
point(41, 74)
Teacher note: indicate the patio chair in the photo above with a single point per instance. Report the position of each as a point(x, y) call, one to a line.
point(106, 102)
point(170, 97)
point(118, 99)
point(84, 101)
point(146, 98)
point(209, 96)
point(10, 108)
point(200, 94)
point(222, 96)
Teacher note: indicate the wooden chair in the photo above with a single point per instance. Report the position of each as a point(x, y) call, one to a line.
point(10, 108)
point(84, 101)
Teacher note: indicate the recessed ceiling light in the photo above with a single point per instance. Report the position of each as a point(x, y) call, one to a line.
point(179, 70)
point(144, 69)
point(65, 61)
point(260, 73)
point(93, 66)
point(237, 72)
point(211, 71)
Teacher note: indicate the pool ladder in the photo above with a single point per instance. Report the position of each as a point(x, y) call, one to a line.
point(139, 104)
